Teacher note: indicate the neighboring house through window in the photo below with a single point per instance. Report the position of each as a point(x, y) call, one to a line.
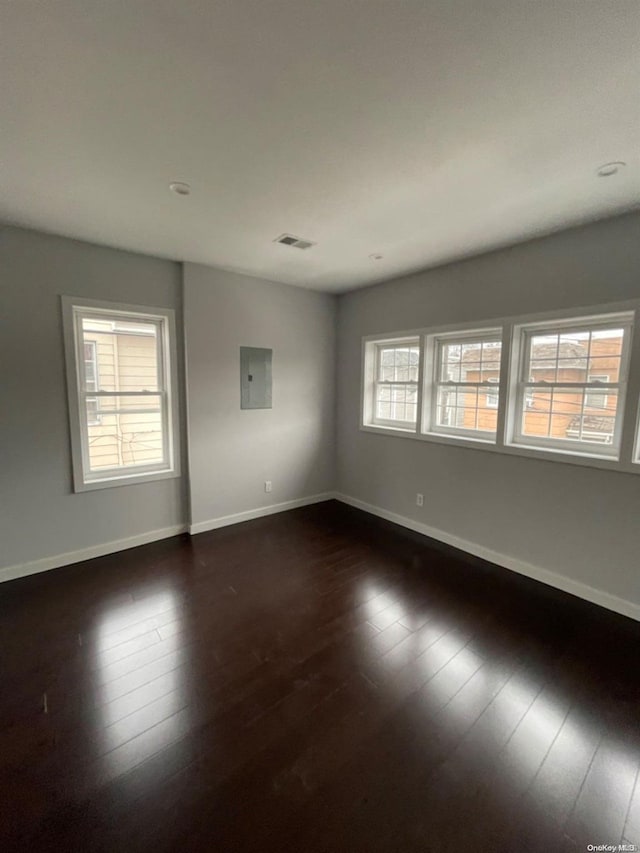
point(395, 385)
point(597, 399)
point(566, 384)
point(493, 394)
point(465, 390)
point(121, 372)
point(91, 379)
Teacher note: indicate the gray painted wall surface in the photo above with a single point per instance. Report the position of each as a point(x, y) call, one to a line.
point(233, 451)
point(40, 516)
point(582, 523)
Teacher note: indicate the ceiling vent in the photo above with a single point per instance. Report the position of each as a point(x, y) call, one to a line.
point(296, 242)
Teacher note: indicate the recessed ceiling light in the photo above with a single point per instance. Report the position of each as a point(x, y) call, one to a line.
point(609, 169)
point(376, 257)
point(180, 188)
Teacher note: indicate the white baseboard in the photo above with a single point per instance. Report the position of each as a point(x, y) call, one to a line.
point(247, 515)
point(577, 588)
point(23, 569)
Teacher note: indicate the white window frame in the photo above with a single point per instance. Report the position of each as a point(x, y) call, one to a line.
point(371, 358)
point(627, 459)
point(74, 309)
point(433, 345)
point(522, 335)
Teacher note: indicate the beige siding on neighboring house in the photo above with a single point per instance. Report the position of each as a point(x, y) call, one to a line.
point(125, 362)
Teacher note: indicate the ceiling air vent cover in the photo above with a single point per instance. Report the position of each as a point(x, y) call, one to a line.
point(296, 242)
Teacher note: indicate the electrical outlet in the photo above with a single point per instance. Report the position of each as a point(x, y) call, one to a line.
point(267, 485)
point(419, 500)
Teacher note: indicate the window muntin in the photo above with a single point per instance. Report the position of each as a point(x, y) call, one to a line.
point(542, 410)
point(571, 384)
point(466, 384)
point(395, 384)
point(123, 422)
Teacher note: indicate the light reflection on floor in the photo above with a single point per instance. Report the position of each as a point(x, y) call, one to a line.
point(144, 698)
point(526, 717)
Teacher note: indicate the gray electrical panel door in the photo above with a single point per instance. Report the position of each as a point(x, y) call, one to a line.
point(255, 378)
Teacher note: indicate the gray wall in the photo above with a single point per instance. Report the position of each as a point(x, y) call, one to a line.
point(579, 522)
point(233, 451)
point(40, 516)
point(582, 523)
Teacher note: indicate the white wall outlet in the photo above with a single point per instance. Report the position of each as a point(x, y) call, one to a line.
point(267, 485)
point(419, 499)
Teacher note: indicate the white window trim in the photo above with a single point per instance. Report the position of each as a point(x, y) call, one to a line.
point(521, 333)
point(377, 382)
point(431, 346)
point(628, 461)
point(371, 356)
point(83, 480)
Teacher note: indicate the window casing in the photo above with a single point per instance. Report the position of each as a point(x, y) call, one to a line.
point(396, 366)
point(121, 377)
point(563, 386)
point(462, 397)
point(571, 385)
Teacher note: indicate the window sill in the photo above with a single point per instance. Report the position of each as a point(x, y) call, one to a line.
point(128, 479)
point(389, 430)
point(451, 438)
point(562, 451)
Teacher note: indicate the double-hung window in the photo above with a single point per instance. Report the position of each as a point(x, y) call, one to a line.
point(121, 377)
point(463, 397)
point(392, 389)
point(555, 386)
point(571, 384)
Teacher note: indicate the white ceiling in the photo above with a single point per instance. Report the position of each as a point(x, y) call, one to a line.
point(424, 131)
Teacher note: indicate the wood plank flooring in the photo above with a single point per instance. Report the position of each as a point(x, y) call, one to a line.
point(318, 680)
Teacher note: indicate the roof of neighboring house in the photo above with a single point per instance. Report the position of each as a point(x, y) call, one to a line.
point(572, 354)
point(594, 422)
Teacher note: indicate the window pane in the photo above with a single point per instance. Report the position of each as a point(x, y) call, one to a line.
point(568, 414)
point(461, 361)
point(90, 365)
point(397, 403)
point(492, 395)
point(124, 353)
point(399, 363)
point(468, 406)
point(597, 399)
point(465, 407)
point(123, 440)
point(450, 360)
point(571, 356)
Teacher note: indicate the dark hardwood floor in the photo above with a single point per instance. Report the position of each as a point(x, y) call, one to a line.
point(313, 681)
